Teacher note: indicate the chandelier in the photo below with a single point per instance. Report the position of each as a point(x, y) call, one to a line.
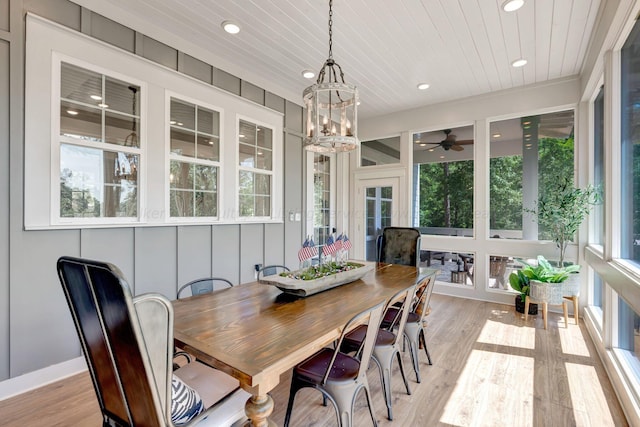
point(331, 107)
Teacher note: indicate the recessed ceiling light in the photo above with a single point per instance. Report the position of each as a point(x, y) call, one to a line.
point(308, 74)
point(96, 97)
point(423, 145)
point(519, 63)
point(431, 149)
point(496, 135)
point(180, 124)
point(172, 122)
point(103, 105)
point(210, 142)
point(72, 112)
point(528, 145)
point(231, 27)
point(423, 86)
point(442, 157)
point(512, 5)
point(241, 136)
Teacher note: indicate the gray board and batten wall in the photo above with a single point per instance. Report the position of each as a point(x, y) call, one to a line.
point(36, 330)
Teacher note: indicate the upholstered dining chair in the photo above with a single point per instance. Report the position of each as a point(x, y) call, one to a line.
point(128, 346)
point(399, 245)
point(270, 270)
point(387, 342)
point(337, 375)
point(205, 285)
point(414, 327)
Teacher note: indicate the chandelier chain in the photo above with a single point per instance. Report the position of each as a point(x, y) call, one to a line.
point(330, 29)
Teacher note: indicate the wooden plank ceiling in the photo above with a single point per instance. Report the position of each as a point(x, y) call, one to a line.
point(460, 48)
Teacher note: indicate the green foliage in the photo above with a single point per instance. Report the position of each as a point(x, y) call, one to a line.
point(321, 270)
point(520, 280)
point(562, 208)
point(446, 194)
point(505, 193)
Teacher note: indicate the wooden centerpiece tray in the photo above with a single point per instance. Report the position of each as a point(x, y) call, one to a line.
point(301, 283)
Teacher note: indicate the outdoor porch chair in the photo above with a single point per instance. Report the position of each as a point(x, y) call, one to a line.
point(128, 345)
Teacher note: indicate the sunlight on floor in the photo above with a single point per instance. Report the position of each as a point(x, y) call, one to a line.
point(572, 341)
point(496, 379)
point(507, 335)
point(587, 396)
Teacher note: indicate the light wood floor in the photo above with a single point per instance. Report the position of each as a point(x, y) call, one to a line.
point(490, 368)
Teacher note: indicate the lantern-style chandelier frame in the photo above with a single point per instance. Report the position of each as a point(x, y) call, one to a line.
point(331, 107)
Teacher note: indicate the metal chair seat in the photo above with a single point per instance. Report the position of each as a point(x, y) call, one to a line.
point(344, 368)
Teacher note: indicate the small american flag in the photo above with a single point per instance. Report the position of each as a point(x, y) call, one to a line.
point(313, 248)
point(338, 242)
point(330, 247)
point(346, 243)
point(302, 253)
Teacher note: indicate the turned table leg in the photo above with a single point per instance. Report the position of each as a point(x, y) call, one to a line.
point(258, 408)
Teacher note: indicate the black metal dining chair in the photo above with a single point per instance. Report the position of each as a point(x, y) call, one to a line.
point(128, 346)
point(337, 375)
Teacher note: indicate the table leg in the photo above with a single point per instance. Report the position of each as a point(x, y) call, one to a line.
point(258, 408)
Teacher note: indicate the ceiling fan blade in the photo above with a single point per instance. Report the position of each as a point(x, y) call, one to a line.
point(465, 142)
point(456, 148)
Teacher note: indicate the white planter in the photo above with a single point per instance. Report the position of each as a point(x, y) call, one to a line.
point(551, 293)
point(571, 286)
point(304, 288)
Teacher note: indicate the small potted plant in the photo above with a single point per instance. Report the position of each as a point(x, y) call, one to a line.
point(520, 283)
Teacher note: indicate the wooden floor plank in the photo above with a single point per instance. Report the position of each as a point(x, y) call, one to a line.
point(490, 368)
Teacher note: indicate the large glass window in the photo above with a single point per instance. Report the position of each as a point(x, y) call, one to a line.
point(628, 336)
point(630, 149)
point(443, 188)
point(99, 145)
point(321, 199)
point(598, 166)
point(195, 155)
point(528, 156)
point(382, 151)
point(255, 149)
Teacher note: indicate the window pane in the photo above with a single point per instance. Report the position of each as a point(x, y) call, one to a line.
point(183, 142)
point(208, 148)
point(528, 156)
point(454, 268)
point(183, 114)
point(121, 130)
point(628, 331)
point(263, 205)
point(246, 155)
point(208, 121)
point(181, 175)
point(206, 178)
point(381, 151)
point(247, 133)
point(265, 137)
point(97, 183)
point(206, 204)
point(598, 286)
point(78, 84)
point(630, 150)
point(122, 96)
point(263, 159)
point(181, 203)
point(598, 166)
point(246, 182)
point(262, 184)
point(246, 205)
point(79, 121)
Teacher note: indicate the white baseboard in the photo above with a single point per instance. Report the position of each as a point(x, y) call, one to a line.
point(41, 377)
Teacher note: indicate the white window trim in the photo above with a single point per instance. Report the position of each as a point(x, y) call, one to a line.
point(192, 160)
point(45, 40)
point(276, 165)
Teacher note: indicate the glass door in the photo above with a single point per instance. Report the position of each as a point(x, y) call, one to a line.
point(378, 212)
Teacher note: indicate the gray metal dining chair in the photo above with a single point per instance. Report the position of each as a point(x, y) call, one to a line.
point(387, 343)
point(205, 285)
point(337, 375)
point(270, 270)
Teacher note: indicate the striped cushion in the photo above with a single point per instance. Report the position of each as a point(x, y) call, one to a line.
point(185, 402)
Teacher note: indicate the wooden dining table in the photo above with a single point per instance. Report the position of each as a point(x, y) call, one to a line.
point(255, 333)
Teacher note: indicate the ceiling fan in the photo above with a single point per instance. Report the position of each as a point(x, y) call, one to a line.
point(450, 142)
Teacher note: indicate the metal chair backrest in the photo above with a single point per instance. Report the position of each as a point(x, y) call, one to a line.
point(423, 297)
point(108, 328)
point(405, 298)
point(204, 286)
point(400, 245)
point(270, 270)
point(374, 315)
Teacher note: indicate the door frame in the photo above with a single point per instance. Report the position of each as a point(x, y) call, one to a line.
point(394, 177)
